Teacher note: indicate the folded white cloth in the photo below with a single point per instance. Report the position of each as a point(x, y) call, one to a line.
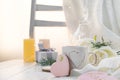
point(108, 65)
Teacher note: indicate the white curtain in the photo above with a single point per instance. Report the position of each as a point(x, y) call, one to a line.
point(86, 18)
point(111, 15)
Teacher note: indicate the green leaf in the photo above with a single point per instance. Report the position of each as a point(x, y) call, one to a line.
point(95, 37)
point(46, 62)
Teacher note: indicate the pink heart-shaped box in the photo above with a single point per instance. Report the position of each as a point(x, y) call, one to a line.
point(61, 66)
point(96, 75)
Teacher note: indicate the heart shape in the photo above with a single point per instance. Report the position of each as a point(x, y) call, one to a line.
point(77, 56)
point(61, 66)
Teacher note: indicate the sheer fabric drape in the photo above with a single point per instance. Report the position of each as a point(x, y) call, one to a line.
point(86, 18)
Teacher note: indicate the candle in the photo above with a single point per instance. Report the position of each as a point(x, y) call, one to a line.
point(29, 50)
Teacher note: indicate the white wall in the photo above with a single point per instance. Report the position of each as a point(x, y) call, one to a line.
point(14, 27)
point(58, 36)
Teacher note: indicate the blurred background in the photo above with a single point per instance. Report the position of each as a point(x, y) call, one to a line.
point(15, 23)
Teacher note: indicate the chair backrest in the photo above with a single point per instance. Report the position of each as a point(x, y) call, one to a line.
point(37, 23)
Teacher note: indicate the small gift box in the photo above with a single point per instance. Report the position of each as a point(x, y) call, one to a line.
point(46, 57)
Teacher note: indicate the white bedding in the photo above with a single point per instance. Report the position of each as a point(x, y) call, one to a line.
point(18, 70)
point(109, 65)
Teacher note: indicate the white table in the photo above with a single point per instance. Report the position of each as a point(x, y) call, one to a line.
point(18, 70)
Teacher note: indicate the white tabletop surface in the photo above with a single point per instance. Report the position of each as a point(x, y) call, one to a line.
point(18, 70)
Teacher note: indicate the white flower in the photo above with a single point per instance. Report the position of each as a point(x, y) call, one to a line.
point(86, 42)
point(101, 53)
